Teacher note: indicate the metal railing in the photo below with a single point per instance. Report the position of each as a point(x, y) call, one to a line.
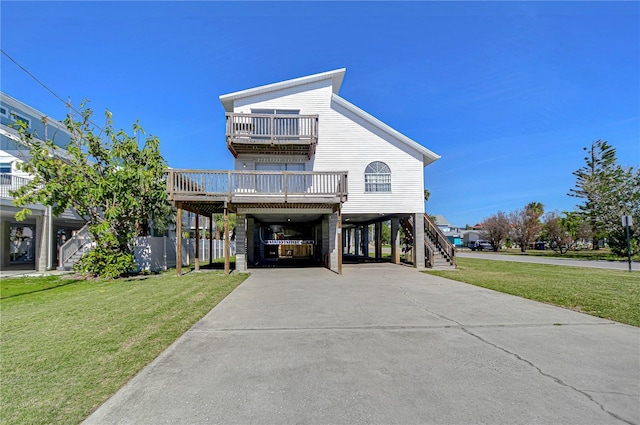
point(230, 183)
point(10, 183)
point(271, 128)
point(75, 244)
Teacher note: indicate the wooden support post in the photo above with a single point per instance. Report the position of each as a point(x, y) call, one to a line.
point(179, 239)
point(211, 240)
point(196, 236)
point(339, 231)
point(227, 266)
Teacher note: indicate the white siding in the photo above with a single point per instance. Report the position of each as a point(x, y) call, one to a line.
point(348, 143)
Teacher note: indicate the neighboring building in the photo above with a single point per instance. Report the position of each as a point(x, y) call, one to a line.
point(453, 233)
point(34, 241)
point(312, 173)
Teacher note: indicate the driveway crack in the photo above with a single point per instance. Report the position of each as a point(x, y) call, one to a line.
point(547, 375)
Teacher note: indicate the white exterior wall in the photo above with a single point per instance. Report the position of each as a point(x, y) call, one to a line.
point(346, 142)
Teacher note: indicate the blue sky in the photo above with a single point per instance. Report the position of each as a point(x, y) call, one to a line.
point(507, 93)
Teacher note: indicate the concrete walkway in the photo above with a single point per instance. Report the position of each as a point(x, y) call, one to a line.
point(384, 344)
point(596, 264)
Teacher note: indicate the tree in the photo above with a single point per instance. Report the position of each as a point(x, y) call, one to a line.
point(609, 191)
point(556, 232)
point(118, 187)
point(427, 194)
point(496, 228)
point(600, 160)
point(526, 224)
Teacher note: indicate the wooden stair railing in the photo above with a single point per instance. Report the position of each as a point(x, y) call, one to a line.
point(434, 240)
point(441, 242)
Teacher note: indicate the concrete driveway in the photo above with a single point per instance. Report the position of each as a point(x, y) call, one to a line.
point(384, 344)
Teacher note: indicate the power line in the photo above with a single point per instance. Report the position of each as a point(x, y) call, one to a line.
point(67, 103)
point(36, 79)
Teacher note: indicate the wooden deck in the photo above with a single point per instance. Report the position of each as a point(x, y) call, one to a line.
point(284, 134)
point(256, 187)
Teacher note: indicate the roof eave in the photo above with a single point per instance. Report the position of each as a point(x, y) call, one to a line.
point(336, 77)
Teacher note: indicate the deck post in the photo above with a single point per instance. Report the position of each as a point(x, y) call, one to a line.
point(197, 240)
point(395, 241)
point(378, 242)
point(339, 232)
point(227, 266)
point(179, 239)
point(210, 240)
point(418, 241)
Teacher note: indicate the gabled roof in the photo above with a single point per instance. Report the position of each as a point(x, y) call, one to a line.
point(427, 156)
point(336, 77)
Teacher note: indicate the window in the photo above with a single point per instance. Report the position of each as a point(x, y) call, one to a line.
point(4, 112)
point(5, 173)
point(377, 177)
point(17, 117)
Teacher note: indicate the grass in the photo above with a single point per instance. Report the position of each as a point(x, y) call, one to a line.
point(67, 345)
point(582, 254)
point(610, 294)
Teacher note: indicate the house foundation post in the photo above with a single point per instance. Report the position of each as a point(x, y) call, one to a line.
point(356, 244)
point(179, 239)
point(42, 243)
point(365, 241)
point(227, 264)
point(340, 241)
point(378, 240)
point(418, 241)
point(395, 241)
point(241, 244)
point(196, 237)
point(5, 243)
point(250, 240)
point(211, 240)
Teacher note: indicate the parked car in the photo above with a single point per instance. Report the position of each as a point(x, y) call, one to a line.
point(481, 245)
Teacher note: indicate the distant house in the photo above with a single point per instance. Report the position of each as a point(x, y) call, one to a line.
point(36, 240)
point(313, 172)
point(453, 233)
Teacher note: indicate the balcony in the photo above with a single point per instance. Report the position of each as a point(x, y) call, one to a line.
point(9, 183)
point(272, 134)
point(268, 188)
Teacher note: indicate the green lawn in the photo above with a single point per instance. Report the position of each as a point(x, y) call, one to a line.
point(582, 254)
point(67, 345)
point(610, 294)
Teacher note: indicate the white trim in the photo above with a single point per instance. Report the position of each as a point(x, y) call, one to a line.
point(427, 156)
point(335, 76)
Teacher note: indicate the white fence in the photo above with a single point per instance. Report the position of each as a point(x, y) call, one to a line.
point(159, 253)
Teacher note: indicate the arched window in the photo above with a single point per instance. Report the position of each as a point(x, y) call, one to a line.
point(377, 177)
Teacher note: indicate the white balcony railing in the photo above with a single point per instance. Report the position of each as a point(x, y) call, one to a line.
point(10, 183)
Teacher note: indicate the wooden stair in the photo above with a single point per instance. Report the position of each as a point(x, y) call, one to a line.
point(440, 253)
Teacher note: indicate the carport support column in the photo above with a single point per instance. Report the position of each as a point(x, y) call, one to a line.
point(42, 246)
point(5, 243)
point(418, 241)
point(365, 240)
point(179, 239)
point(356, 231)
point(335, 243)
point(395, 241)
point(378, 239)
point(211, 229)
point(241, 243)
point(227, 265)
point(196, 237)
point(250, 241)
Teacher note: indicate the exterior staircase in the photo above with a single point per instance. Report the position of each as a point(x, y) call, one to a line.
point(73, 249)
point(440, 253)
